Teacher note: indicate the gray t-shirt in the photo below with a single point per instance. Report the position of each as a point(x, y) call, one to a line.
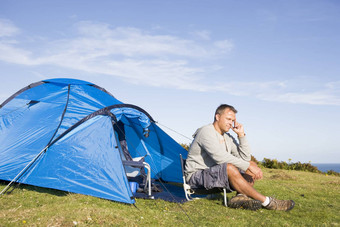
point(210, 148)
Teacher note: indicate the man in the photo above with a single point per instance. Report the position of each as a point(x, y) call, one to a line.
point(216, 159)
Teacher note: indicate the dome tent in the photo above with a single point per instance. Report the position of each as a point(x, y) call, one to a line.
point(61, 134)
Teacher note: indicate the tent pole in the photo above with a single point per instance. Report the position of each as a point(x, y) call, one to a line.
point(22, 171)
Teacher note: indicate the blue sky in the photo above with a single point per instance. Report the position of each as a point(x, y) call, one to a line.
point(275, 61)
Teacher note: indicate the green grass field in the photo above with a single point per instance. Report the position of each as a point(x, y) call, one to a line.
point(317, 199)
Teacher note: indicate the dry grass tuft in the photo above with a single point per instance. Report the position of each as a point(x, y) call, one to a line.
point(282, 176)
point(335, 182)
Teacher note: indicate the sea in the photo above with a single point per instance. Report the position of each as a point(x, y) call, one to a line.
point(324, 167)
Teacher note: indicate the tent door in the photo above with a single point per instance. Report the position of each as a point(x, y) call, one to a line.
point(134, 167)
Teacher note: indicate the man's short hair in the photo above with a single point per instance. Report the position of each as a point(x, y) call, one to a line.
point(220, 110)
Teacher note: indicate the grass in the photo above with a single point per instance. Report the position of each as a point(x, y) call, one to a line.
point(316, 196)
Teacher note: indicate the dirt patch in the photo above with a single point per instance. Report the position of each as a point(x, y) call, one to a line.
point(282, 176)
point(331, 182)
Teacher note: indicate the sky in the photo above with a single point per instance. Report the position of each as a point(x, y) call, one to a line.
point(276, 62)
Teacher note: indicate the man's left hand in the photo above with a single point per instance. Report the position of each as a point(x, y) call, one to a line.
point(254, 171)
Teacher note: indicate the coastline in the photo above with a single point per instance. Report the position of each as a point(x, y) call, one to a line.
point(324, 167)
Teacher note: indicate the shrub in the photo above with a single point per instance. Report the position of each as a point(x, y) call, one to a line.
point(332, 172)
point(185, 146)
point(308, 167)
point(255, 160)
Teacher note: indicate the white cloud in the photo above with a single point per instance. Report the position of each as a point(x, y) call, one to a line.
point(137, 56)
point(7, 28)
point(128, 53)
point(282, 91)
point(315, 98)
point(8, 53)
point(204, 34)
point(224, 45)
point(335, 86)
point(132, 42)
point(302, 90)
point(323, 95)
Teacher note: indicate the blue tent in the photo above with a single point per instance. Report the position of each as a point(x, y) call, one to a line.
point(60, 134)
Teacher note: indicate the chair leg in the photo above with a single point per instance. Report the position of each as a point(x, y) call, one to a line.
point(186, 188)
point(225, 198)
point(147, 166)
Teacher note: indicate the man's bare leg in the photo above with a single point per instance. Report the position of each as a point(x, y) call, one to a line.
point(241, 185)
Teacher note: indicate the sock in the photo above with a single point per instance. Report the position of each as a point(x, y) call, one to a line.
point(266, 202)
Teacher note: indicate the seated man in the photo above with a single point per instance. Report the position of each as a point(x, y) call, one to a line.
point(215, 159)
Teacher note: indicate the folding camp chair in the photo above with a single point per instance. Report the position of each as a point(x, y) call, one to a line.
point(189, 191)
point(134, 167)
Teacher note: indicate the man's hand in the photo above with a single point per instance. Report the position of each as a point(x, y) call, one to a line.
point(254, 171)
point(238, 129)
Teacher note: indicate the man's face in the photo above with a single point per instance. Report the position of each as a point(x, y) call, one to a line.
point(225, 120)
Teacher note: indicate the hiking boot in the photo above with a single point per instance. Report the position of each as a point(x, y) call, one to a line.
point(276, 204)
point(244, 202)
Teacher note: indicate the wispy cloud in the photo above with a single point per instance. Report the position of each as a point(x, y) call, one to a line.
point(129, 53)
point(141, 57)
point(315, 98)
point(203, 34)
point(7, 28)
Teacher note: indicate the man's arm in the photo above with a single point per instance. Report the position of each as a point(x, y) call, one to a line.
point(243, 150)
point(254, 171)
point(239, 149)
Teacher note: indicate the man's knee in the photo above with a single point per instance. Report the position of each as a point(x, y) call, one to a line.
point(232, 170)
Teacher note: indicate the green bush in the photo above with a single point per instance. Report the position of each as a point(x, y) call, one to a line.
point(332, 172)
point(185, 146)
point(308, 167)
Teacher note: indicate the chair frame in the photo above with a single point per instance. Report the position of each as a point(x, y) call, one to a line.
point(140, 164)
point(189, 191)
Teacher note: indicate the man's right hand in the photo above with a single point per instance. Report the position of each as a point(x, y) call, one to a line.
point(254, 171)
